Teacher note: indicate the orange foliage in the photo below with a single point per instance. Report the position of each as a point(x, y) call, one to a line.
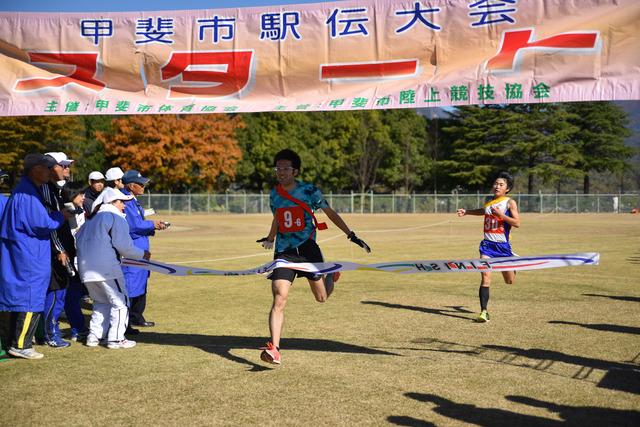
point(178, 153)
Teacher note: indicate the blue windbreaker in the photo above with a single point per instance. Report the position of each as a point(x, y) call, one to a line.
point(139, 230)
point(25, 249)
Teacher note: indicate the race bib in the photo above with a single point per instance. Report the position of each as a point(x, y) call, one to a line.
point(493, 225)
point(290, 220)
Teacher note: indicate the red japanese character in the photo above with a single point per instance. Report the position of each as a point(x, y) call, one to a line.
point(234, 72)
point(515, 41)
point(369, 70)
point(84, 67)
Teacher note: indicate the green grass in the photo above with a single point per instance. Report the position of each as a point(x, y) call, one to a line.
point(385, 348)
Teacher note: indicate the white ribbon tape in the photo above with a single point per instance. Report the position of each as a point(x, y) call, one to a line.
point(518, 263)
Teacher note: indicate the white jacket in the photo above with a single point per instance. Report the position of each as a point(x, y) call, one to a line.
point(97, 243)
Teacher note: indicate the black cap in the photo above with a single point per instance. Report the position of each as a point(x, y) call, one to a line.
point(37, 159)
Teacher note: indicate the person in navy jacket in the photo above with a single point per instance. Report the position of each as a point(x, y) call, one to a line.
point(139, 230)
point(25, 232)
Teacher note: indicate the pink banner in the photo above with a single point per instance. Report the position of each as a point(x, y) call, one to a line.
point(356, 55)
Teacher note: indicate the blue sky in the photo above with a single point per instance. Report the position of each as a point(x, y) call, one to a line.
point(133, 5)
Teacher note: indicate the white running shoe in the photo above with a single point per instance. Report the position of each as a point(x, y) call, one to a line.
point(92, 341)
point(25, 353)
point(121, 344)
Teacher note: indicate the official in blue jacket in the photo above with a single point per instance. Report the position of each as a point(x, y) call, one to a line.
point(139, 230)
point(25, 251)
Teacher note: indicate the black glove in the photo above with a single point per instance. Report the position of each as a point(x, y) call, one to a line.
point(358, 241)
point(265, 242)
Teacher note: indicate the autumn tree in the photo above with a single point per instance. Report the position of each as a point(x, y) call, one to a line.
point(179, 153)
point(22, 135)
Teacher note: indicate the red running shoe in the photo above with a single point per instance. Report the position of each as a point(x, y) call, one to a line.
point(270, 354)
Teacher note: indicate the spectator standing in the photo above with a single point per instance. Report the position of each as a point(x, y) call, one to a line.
point(114, 178)
point(139, 230)
point(73, 197)
point(62, 253)
point(25, 232)
point(101, 243)
point(3, 202)
point(96, 185)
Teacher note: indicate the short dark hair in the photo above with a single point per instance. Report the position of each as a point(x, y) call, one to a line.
point(290, 155)
point(508, 178)
point(71, 190)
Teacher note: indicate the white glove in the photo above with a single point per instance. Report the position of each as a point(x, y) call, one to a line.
point(266, 243)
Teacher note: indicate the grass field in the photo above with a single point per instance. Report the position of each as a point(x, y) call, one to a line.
point(563, 345)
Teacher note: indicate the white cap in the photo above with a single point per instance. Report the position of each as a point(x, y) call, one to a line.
point(112, 194)
point(109, 195)
point(60, 158)
point(113, 174)
point(96, 176)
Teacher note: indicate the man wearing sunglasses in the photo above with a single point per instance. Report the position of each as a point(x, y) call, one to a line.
point(139, 229)
point(62, 252)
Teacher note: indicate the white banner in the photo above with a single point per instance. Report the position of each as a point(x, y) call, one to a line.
point(398, 267)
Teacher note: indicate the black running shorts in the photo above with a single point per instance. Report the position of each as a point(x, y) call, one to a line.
point(309, 251)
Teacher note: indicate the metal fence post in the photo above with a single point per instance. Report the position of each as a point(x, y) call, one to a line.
point(577, 203)
point(557, 201)
point(457, 200)
point(169, 202)
point(226, 201)
point(261, 203)
point(330, 198)
point(371, 202)
point(478, 201)
point(244, 207)
point(598, 202)
point(189, 200)
point(393, 201)
point(541, 208)
point(351, 210)
point(208, 202)
point(435, 201)
point(413, 202)
point(149, 199)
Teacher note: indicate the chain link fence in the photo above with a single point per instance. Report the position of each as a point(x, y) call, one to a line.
point(248, 203)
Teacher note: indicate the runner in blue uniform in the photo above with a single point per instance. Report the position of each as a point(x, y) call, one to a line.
point(294, 228)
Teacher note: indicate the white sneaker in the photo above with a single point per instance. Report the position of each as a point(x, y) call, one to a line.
point(92, 341)
point(25, 353)
point(121, 344)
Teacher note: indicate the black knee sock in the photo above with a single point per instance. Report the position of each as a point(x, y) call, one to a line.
point(484, 297)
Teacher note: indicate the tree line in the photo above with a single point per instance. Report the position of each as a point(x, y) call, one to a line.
point(546, 146)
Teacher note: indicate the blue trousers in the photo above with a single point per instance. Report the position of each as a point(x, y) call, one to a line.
point(53, 307)
point(73, 309)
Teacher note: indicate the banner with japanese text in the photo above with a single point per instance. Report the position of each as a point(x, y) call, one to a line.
point(349, 55)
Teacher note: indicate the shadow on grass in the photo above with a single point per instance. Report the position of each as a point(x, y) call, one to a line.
point(571, 415)
point(616, 297)
point(449, 311)
point(618, 376)
point(601, 327)
point(222, 345)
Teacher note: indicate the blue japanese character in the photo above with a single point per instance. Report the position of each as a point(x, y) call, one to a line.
point(153, 34)
point(417, 15)
point(347, 23)
point(485, 9)
point(217, 25)
point(274, 26)
point(96, 28)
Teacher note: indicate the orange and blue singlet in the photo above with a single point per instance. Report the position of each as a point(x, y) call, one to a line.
point(496, 231)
